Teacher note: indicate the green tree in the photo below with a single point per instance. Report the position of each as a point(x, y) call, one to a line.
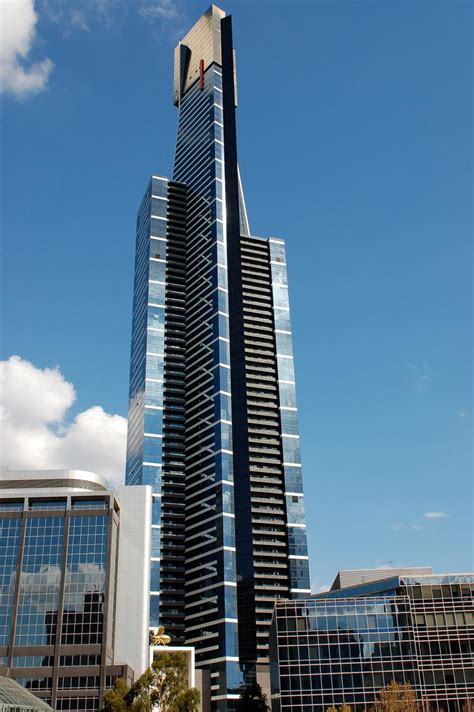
point(169, 677)
point(165, 684)
point(252, 699)
point(396, 697)
point(187, 701)
point(114, 700)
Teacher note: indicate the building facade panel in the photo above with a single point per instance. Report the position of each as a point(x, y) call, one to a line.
point(334, 649)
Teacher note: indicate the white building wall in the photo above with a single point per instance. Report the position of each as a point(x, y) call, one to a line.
point(133, 578)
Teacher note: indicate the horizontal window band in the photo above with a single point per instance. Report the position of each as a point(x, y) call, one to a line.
point(299, 558)
point(218, 584)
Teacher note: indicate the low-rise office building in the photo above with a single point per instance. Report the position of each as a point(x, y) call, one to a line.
point(343, 646)
point(67, 631)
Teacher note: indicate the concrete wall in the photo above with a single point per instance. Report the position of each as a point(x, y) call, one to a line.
point(133, 578)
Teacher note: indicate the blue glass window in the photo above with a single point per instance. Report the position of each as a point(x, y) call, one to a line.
point(293, 479)
point(156, 317)
point(222, 407)
point(280, 296)
point(295, 509)
point(40, 580)
point(158, 249)
point(284, 344)
point(155, 342)
point(158, 207)
point(279, 275)
point(154, 611)
point(282, 319)
point(218, 132)
point(155, 542)
point(287, 395)
point(277, 251)
point(219, 278)
point(299, 573)
point(156, 511)
point(221, 351)
point(229, 566)
point(222, 379)
point(285, 369)
point(155, 576)
point(156, 293)
point(152, 476)
point(85, 580)
point(90, 504)
point(227, 501)
point(219, 301)
point(223, 436)
point(224, 467)
point(154, 366)
point(157, 271)
point(159, 187)
point(221, 325)
point(48, 504)
point(153, 421)
point(157, 227)
point(10, 531)
point(153, 393)
point(291, 449)
point(9, 505)
point(152, 448)
point(297, 541)
point(289, 422)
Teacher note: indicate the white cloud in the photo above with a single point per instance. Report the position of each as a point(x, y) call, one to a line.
point(84, 14)
point(80, 15)
point(18, 20)
point(35, 432)
point(436, 515)
point(40, 588)
point(159, 9)
point(402, 525)
point(320, 589)
point(421, 376)
point(462, 413)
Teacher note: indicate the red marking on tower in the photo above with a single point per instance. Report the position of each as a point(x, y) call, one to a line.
point(201, 74)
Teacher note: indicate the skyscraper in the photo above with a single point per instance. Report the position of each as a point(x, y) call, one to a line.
point(212, 412)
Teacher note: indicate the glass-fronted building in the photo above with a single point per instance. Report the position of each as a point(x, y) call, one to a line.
point(212, 412)
point(59, 602)
point(345, 645)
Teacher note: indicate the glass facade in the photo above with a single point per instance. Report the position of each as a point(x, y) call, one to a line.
point(212, 410)
point(339, 648)
point(57, 595)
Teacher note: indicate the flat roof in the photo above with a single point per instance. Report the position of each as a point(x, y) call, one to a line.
point(38, 479)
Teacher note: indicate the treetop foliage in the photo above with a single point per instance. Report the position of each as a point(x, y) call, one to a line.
point(164, 684)
point(252, 699)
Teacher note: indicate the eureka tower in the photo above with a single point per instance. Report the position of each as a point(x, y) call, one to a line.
point(212, 411)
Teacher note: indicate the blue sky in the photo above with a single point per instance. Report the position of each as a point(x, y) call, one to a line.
point(355, 146)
